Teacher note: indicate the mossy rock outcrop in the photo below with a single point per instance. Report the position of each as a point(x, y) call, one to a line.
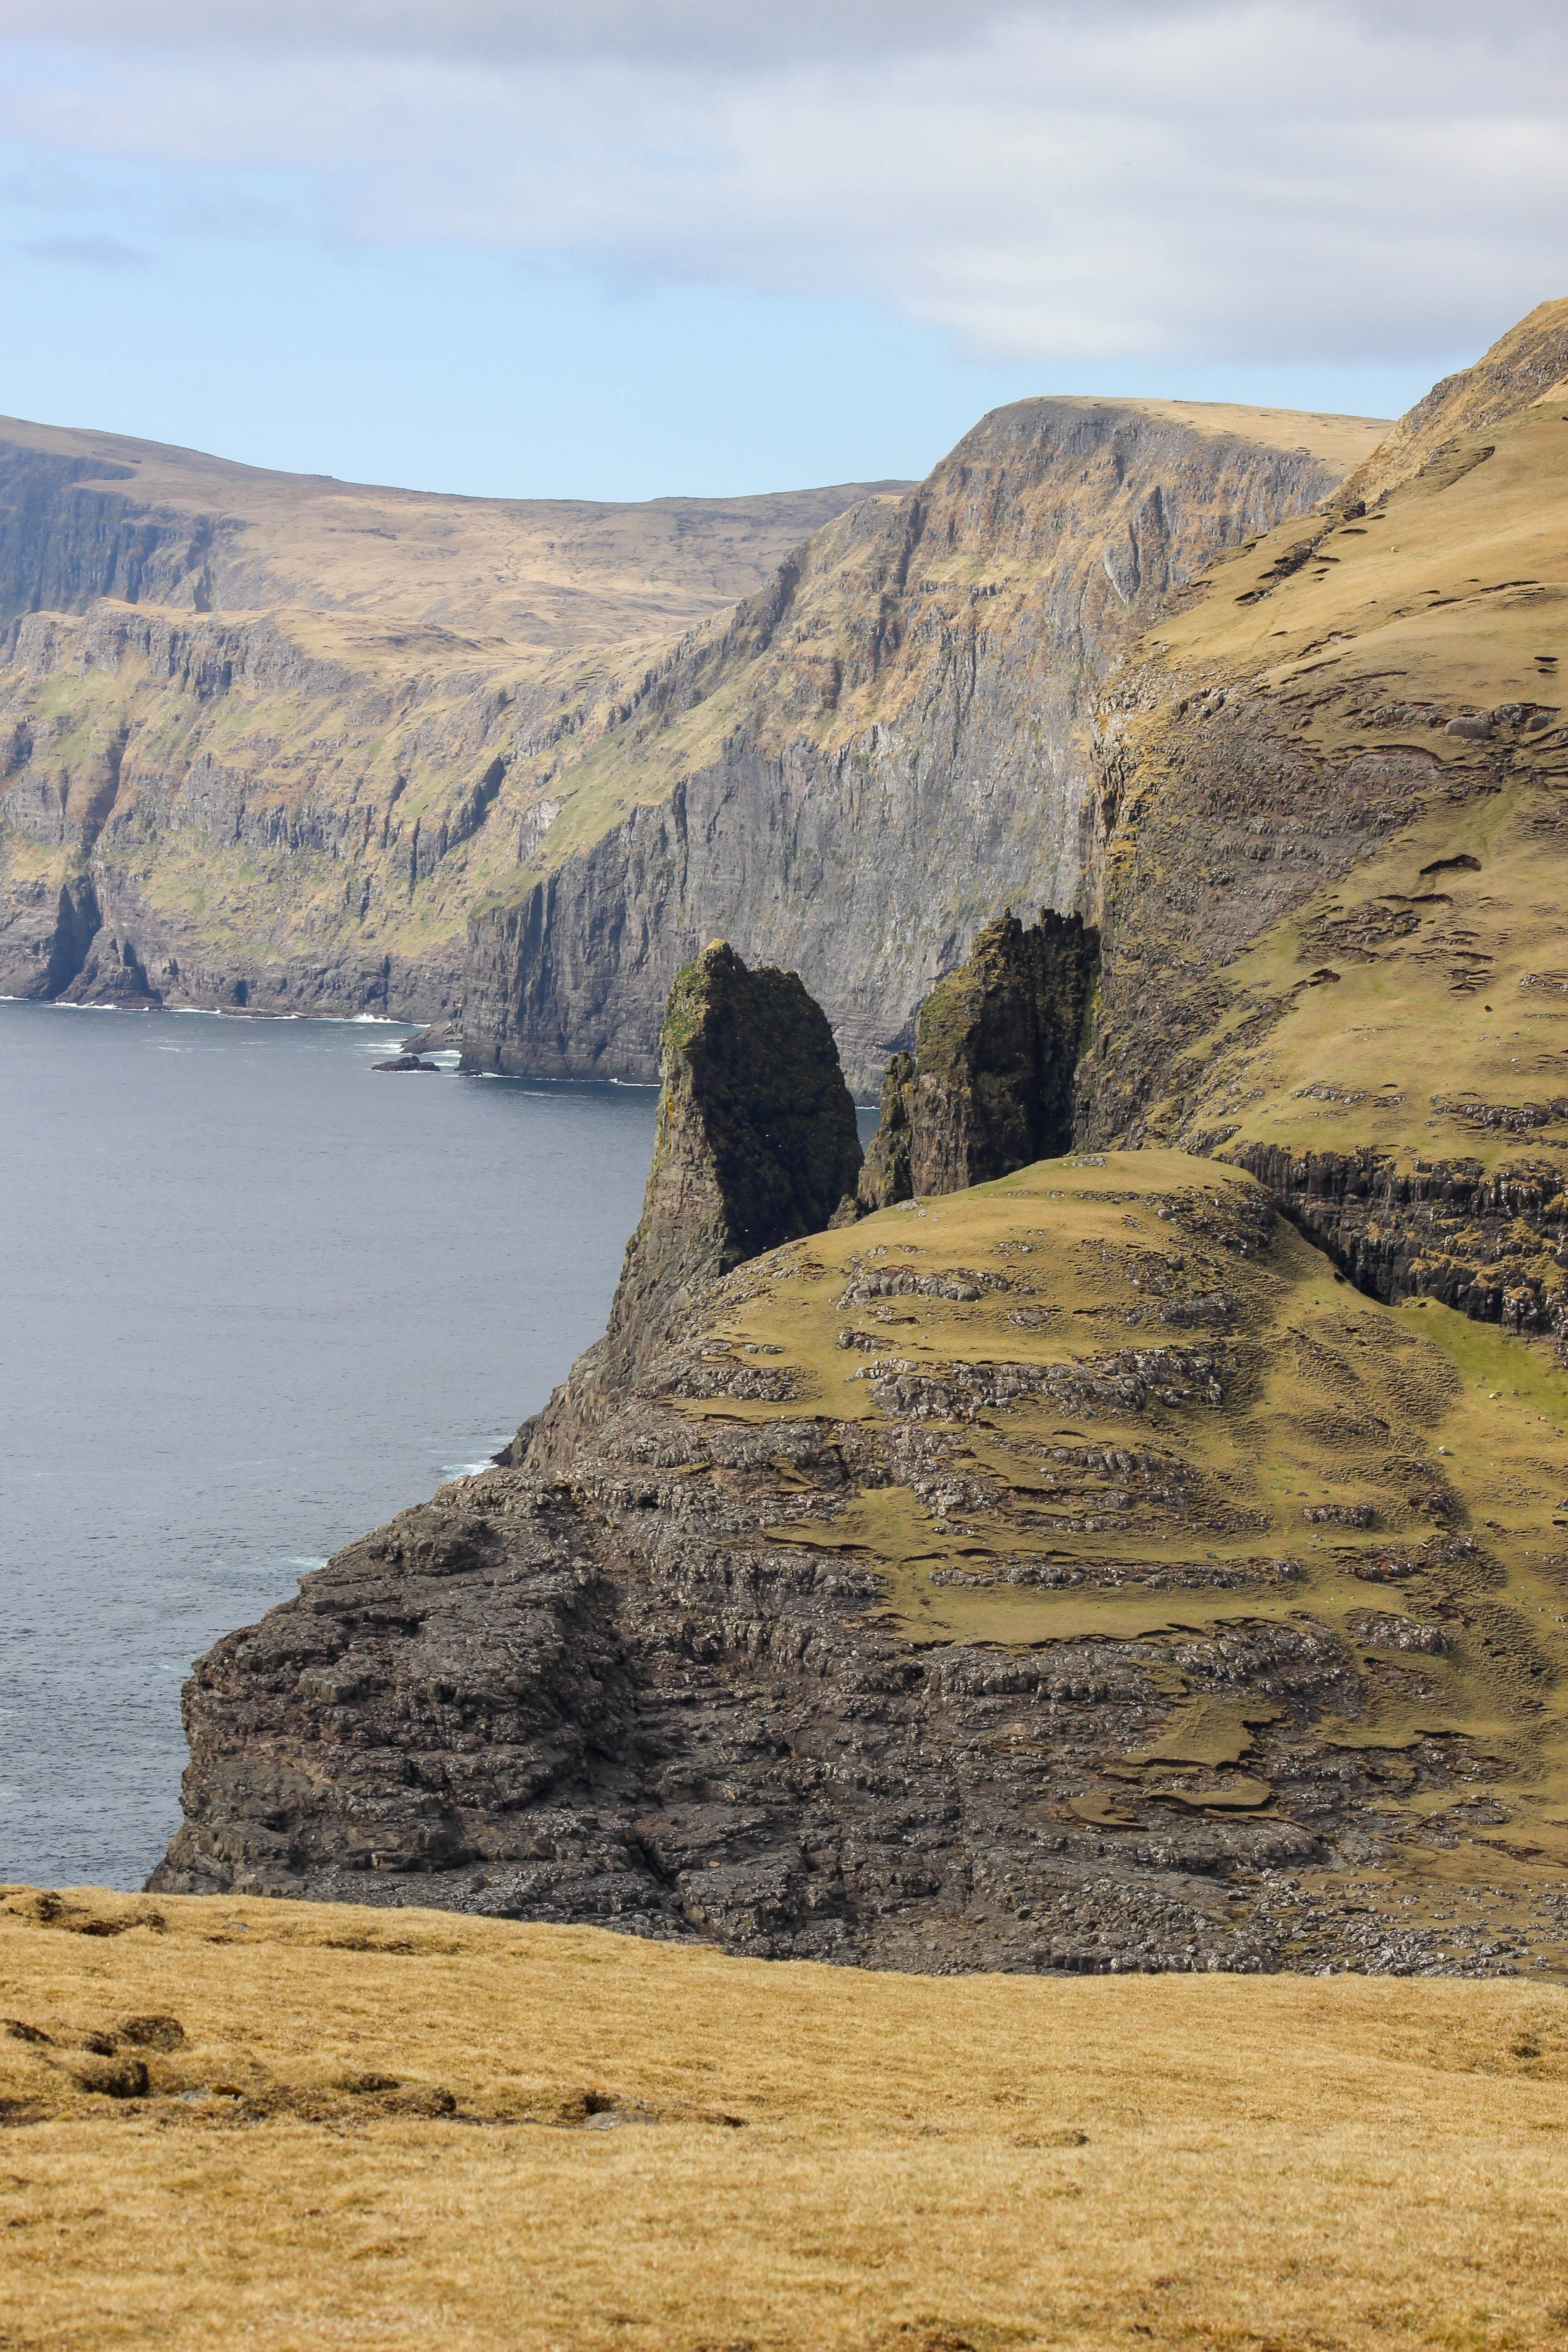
point(756, 1145)
point(991, 1086)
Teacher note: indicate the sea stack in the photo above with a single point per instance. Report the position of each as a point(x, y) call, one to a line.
point(756, 1145)
point(990, 1088)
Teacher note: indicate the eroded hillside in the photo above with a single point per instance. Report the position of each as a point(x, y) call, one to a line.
point(1330, 832)
point(1068, 1573)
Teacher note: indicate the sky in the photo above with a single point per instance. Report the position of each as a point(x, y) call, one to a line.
point(622, 248)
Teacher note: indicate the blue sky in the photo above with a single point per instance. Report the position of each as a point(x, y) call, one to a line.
point(620, 250)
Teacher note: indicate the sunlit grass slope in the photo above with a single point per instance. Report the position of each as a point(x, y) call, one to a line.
point(1351, 1462)
point(1429, 981)
point(370, 2132)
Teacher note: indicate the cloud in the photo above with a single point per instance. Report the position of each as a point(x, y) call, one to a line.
point(700, 32)
point(689, 33)
point(1258, 179)
point(86, 252)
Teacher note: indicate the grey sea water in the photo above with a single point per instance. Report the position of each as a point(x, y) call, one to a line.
point(253, 1300)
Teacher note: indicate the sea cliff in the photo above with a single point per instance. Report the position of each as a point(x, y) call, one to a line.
point(278, 745)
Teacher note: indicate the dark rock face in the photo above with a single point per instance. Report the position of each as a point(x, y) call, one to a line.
point(606, 1704)
point(111, 974)
point(885, 1178)
point(990, 1087)
point(617, 1701)
point(1489, 1245)
point(996, 1045)
point(756, 1145)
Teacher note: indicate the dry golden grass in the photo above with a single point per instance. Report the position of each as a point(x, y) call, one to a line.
point(1344, 441)
point(1456, 588)
point(1523, 365)
point(664, 2147)
point(1450, 979)
point(1388, 1054)
point(508, 577)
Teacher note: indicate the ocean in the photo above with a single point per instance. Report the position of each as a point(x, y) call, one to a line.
point(254, 1298)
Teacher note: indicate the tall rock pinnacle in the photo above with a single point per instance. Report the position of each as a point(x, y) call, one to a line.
point(756, 1145)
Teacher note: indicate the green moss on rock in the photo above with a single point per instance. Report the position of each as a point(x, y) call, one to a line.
point(996, 1044)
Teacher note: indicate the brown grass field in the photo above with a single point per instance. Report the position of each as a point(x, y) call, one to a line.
point(363, 2130)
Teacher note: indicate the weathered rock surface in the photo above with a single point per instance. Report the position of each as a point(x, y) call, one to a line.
point(1326, 820)
point(885, 1178)
point(756, 1145)
point(930, 1603)
point(849, 774)
point(990, 1087)
point(996, 1044)
point(1492, 1244)
point(277, 734)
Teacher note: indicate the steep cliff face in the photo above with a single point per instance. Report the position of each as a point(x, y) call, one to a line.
point(996, 1045)
point(886, 1178)
point(990, 1087)
point(849, 774)
point(304, 745)
point(275, 735)
point(1326, 822)
point(756, 1145)
point(1066, 1574)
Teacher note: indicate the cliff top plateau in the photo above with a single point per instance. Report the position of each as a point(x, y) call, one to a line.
point(332, 2127)
point(383, 574)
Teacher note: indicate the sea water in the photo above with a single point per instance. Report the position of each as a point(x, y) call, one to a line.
point(254, 1298)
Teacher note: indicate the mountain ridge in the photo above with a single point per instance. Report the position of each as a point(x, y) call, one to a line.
point(297, 806)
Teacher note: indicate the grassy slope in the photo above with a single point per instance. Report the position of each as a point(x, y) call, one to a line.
point(1454, 594)
point(1331, 1400)
point(582, 2140)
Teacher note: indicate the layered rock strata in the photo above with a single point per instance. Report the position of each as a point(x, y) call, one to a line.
point(1329, 803)
point(1492, 1245)
point(756, 1145)
point(1057, 1576)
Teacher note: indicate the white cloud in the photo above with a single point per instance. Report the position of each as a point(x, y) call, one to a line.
point(1243, 179)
